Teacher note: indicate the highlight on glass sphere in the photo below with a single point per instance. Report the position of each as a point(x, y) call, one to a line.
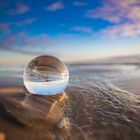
point(46, 75)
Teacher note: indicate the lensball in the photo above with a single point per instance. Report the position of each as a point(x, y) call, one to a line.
point(46, 75)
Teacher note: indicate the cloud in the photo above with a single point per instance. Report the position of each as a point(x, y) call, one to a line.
point(23, 43)
point(55, 6)
point(7, 41)
point(80, 3)
point(25, 22)
point(124, 16)
point(18, 9)
point(84, 29)
point(5, 27)
point(36, 41)
point(126, 29)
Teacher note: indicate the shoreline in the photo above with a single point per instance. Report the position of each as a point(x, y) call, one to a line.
point(100, 105)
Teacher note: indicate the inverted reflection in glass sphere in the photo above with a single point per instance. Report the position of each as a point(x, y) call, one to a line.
point(46, 75)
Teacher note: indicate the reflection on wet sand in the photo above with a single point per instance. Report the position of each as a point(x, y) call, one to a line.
point(2, 136)
point(38, 114)
point(102, 112)
point(26, 108)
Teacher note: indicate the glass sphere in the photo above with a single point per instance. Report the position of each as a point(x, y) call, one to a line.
point(46, 75)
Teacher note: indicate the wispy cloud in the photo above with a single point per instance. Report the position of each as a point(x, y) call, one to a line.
point(18, 9)
point(125, 29)
point(80, 3)
point(23, 43)
point(124, 15)
point(84, 29)
point(5, 27)
point(25, 22)
point(55, 6)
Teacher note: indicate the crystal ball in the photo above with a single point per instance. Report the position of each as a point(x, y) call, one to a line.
point(46, 75)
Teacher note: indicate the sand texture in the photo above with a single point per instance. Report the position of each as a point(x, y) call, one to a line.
point(101, 112)
point(89, 109)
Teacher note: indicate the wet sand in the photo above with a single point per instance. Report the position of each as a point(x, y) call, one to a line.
point(91, 108)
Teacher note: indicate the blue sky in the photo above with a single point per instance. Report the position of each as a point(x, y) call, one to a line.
point(73, 30)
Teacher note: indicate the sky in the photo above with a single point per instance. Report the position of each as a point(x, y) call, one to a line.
point(72, 30)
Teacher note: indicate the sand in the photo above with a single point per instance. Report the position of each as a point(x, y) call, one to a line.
point(2, 136)
point(89, 109)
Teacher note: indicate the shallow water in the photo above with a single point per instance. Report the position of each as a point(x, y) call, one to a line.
point(124, 77)
point(121, 76)
point(103, 72)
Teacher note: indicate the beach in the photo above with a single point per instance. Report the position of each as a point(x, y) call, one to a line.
point(101, 102)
